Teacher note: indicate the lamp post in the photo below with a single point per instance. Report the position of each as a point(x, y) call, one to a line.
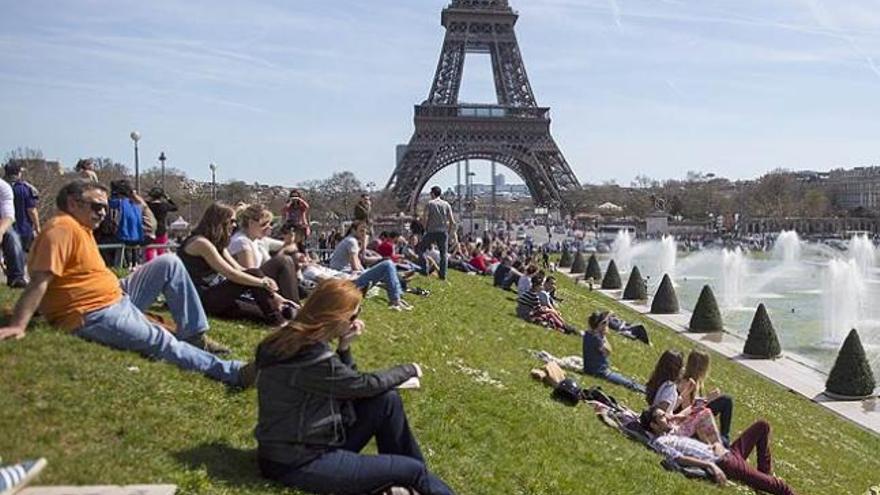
point(162, 161)
point(213, 167)
point(136, 136)
point(471, 206)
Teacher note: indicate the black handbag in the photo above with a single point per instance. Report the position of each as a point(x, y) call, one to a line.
point(568, 392)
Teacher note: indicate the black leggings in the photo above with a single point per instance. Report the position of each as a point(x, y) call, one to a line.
point(225, 300)
point(722, 406)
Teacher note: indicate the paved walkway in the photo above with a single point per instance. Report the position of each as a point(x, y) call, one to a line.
point(787, 371)
point(101, 490)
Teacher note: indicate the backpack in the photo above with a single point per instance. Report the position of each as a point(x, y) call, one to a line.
point(124, 221)
point(568, 392)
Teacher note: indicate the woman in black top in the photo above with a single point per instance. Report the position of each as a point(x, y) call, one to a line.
point(220, 280)
point(317, 411)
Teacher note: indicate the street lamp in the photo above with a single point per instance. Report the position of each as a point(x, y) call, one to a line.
point(469, 182)
point(162, 161)
point(136, 136)
point(213, 167)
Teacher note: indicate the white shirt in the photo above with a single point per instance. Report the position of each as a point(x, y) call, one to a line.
point(674, 446)
point(241, 242)
point(668, 393)
point(7, 206)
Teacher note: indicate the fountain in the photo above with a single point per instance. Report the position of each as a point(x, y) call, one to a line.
point(863, 252)
point(622, 250)
point(734, 271)
point(668, 255)
point(843, 288)
point(788, 247)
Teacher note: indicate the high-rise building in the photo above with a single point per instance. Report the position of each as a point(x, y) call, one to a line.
point(853, 188)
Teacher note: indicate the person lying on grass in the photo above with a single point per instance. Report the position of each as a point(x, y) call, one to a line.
point(529, 308)
point(316, 411)
point(220, 280)
point(695, 372)
point(74, 290)
point(597, 351)
point(346, 259)
point(722, 463)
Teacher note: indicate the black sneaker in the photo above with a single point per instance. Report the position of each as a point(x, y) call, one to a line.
point(247, 375)
point(18, 283)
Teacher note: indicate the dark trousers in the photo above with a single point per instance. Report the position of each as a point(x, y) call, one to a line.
point(225, 300)
point(13, 255)
point(441, 239)
point(346, 472)
point(283, 270)
point(722, 407)
point(736, 467)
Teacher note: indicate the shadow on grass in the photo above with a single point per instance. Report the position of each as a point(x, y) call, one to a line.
point(230, 465)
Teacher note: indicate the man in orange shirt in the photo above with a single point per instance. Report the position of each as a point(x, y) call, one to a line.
point(73, 288)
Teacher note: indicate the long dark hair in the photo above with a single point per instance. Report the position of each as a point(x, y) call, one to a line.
point(214, 225)
point(668, 368)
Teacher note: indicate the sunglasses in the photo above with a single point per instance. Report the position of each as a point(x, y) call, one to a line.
point(266, 225)
point(355, 315)
point(96, 206)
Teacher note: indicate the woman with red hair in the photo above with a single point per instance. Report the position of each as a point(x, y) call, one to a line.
point(317, 411)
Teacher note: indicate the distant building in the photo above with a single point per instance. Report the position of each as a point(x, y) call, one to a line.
point(499, 180)
point(854, 188)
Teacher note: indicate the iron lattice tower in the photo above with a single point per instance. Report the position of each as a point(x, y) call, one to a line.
point(515, 132)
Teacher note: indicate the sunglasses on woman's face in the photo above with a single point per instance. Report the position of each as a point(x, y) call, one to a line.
point(266, 225)
point(355, 315)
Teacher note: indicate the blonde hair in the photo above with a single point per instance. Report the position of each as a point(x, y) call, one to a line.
point(325, 316)
point(697, 367)
point(253, 213)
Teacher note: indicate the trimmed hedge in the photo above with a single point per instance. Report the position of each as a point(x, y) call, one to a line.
point(762, 341)
point(593, 270)
point(665, 300)
point(578, 265)
point(612, 277)
point(851, 375)
point(706, 317)
point(635, 287)
point(566, 260)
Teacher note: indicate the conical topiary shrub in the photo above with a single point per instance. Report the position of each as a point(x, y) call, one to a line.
point(706, 317)
point(762, 342)
point(635, 287)
point(566, 259)
point(851, 376)
point(612, 277)
point(593, 270)
point(665, 301)
point(578, 265)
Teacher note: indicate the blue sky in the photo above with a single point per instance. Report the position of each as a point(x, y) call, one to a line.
point(285, 91)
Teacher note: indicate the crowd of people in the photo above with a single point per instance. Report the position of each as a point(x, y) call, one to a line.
point(316, 410)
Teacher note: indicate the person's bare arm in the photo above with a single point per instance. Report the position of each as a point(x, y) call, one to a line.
point(355, 262)
point(26, 306)
point(201, 247)
point(246, 258)
point(34, 215)
point(5, 224)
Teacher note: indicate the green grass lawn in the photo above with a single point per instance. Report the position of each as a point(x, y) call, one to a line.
point(103, 416)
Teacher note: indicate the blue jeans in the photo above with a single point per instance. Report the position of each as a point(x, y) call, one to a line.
point(14, 256)
point(385, 272)
point(124, 326)
point(441, 239)
point(618, 379)
point(344, 471)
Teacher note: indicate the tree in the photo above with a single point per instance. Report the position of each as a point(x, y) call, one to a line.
point(706, 317)
point(665, 300)
point(578, 265)
point(851, 375)
point(593, 270)
point(635, 287)
point(333, 199)
point(762, 341)
point(611, 281)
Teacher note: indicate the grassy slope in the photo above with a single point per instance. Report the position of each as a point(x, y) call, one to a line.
point(97, 420)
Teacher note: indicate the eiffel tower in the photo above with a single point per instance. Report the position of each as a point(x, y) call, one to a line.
point(515, 132)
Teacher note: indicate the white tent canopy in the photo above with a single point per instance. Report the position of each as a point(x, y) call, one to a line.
point(608, 206)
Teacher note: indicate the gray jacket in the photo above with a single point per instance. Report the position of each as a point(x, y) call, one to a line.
point(305, 401)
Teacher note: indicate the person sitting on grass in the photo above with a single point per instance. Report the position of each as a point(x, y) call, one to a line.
point(221, 281)
point(597, 350)
point(346, 259)
point(316, 411)
point(662, 389)
point(75, 291)
point(524, 284)
point(722, 463)
point(516, 273)
point(547, 294)
point(696, 371)
point(249, 248)
point(529, 308)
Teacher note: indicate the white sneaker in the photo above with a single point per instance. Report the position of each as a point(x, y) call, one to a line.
point(13, 478)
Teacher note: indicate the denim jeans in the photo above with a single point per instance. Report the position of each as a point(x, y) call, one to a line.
point(618, 379)
point(124, 326)
point(385, 272)
point(441, 239)
point(345, 471)
point(13, 253)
